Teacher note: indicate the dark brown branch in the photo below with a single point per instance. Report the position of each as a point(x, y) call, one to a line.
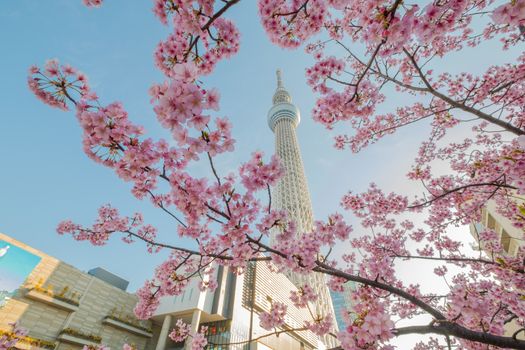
point(189, 251)
point(206, 26)
point(276, 333)
point(460, 188)
point(466, 260)
point(391, 14)
point(507, 126)
point(452, 329)
point(295, 13)
point(327, 269)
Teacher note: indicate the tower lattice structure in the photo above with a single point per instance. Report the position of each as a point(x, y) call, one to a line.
point(292, 194)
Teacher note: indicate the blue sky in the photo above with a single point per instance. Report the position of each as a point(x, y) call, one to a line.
point(45, 177)
point(15, 266)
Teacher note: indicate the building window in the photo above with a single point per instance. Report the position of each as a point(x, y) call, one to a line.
point(505, 240)
point(491, 222)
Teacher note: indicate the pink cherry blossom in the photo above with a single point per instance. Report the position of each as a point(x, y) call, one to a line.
point(365, 53)
point(274, 318)
point(92, 3)
point(303, 296)
point(180, 332)
point(199, 342)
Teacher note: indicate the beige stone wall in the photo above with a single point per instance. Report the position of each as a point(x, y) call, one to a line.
point(96, 301)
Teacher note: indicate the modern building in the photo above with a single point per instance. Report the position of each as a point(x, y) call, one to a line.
point(64, 308)
point(231, 312)
point(510, 237)
point(291, 193)
point(342, 302)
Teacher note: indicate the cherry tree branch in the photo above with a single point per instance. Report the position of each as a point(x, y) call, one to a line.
point(194, 41)
point(189, 251)
point(439, 326)
point(460, 188)
point(276, 333)
point(391, 13)
point(452, 259)
point(453, 329)
point(507, 126)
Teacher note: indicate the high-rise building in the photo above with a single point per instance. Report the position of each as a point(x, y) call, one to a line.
point(343, 304)
point(64, 308)
point(291, 193)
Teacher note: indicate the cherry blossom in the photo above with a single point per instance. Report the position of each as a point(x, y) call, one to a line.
point(358, 48)
point(274, 318)
point(303, 296)
point(199, 341)
point(8, 341)
point(92, 3)
point(180, 332)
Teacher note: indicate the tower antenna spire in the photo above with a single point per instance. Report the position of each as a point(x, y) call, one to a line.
point(279, 79)
point(281, 95)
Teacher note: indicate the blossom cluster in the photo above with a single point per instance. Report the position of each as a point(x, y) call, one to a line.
point(275, 317)
point(225, 214)
point(303, 296)
point(53, 83)
point(371, 327)
point(8, 341)
point(92, 3)
point(199, 39)
point(180, 332)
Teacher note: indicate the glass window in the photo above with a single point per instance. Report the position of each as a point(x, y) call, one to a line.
point(505, 240)
point(491, 222)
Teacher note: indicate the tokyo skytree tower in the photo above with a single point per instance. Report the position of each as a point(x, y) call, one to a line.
point(292, 194)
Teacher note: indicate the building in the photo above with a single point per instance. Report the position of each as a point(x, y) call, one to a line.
point(231, 312)
point(342, 302)
point(291, 193)
point(63, 307)
point(510, 237)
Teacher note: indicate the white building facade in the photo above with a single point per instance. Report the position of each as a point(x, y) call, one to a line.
point(510, 238)
point(231, 312)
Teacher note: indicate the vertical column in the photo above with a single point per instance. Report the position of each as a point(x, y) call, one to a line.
point(195, 320)
point(163, 336)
